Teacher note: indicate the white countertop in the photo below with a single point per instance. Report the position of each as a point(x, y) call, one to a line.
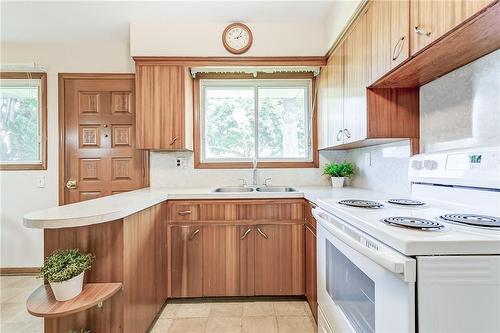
point(120, 205)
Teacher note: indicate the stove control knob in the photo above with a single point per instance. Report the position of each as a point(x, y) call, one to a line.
point(415, 164)
point(430, 164)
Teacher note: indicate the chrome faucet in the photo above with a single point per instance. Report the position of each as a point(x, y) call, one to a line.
point(254, 177)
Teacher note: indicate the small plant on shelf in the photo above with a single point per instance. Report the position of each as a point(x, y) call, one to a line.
point(338, 172)
point(64, 270)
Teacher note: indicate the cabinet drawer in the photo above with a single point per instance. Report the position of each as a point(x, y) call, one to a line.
point(184, 212)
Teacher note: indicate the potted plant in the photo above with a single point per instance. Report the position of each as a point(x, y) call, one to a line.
point(338, 172)
point(64, 270)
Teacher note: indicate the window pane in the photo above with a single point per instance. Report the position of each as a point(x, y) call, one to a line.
point(19, 122)
point(229, 123)
point(282, 123)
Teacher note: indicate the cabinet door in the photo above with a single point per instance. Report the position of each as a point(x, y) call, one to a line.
point(228, 266)
point(279, 259)
point(432, 19)
point(164, 98)
point(311, 284)
point(378, 17)
point(400, 28)
point(336, 97)
point(322, 98)
point(356, 69)
point(186, 255)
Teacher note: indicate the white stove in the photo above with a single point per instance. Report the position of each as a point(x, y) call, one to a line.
point(388, 266)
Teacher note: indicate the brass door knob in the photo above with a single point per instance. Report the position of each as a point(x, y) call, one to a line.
point(71, 184)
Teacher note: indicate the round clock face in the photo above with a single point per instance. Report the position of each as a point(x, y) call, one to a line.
point(237, 38)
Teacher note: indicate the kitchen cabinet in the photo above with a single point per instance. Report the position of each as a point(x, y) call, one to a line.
point(228, 260)
point(336, 96)
point(323, 114)
point(387, 33)
point(432, 19)
point(279, 259)
point(310, 260)
point(164, 107)
point(186, 260)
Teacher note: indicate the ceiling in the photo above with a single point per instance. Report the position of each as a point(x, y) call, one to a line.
point(70, 21)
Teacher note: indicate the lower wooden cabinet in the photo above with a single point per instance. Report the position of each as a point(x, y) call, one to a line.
point(279, 259)
point(311, 273)
point(228, 260)
point(186, 261)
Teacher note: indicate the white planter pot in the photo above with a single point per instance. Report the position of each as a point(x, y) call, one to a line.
point(337, 182)
point(68, 289)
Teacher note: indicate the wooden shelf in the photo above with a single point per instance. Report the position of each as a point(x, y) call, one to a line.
point(42, 303)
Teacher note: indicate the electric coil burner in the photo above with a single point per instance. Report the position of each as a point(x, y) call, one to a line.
point(413, 223)
point(406, 202)
point(361, 203)
point(473, 219)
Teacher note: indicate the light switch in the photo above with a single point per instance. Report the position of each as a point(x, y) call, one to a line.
point(40, 181)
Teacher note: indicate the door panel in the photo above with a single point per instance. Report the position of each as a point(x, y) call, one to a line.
point(99, 127)
point(336, 97)
point(279, 259)
point(228, 265)
point(186, 261)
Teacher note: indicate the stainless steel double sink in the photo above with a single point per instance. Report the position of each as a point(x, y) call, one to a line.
point(242, 189)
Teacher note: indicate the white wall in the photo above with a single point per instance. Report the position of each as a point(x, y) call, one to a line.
point(340, 14)
point(204, 39)
point(22, 247)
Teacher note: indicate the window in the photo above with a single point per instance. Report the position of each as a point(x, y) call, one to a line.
point(23, 121)
point(269, 120)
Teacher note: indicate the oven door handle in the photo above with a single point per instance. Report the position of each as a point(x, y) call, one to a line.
point(387, 258)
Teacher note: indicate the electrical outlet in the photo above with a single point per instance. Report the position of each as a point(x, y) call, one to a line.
point(181, 163)
point(368, 159)
point(40, 181)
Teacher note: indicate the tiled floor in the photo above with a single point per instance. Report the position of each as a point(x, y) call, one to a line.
point(178, 316)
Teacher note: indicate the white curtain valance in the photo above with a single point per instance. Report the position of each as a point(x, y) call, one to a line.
point(22, 67)
point(255, 69)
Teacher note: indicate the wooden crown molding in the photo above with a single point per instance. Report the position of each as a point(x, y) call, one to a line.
point(232, 61)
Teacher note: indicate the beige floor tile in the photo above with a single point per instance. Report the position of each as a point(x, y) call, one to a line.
point(188, 325)
point(259, 324)
point(162, 325)
point(296, 324)
point(170, 310)
point(258, 309)
point(196, 310)
point(290, 308)
point(223, 325)
point(229, 309)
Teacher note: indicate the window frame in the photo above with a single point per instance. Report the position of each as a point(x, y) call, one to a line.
point(42, 76)
point(244, 81)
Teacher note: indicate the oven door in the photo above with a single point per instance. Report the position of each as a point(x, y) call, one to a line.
point(363, 285)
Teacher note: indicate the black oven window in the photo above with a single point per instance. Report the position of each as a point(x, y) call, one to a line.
point(351, 289)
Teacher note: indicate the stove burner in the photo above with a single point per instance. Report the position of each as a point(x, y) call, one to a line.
point(412, 223)
point(406, 202)
point(473, 219)
point(361, 203)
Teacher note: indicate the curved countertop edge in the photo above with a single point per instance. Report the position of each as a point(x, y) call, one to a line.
point(119, 206)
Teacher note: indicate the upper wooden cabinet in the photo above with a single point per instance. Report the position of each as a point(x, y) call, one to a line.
point(164, 107)
point(432, 19)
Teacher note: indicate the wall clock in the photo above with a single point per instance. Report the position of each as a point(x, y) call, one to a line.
point(237, 38)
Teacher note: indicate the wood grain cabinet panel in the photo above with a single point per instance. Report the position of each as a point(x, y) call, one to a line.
point(164, 107)
point(183, 211)
point(279, 259)
point(310, 268)
point(186, 261)
point(228, 260)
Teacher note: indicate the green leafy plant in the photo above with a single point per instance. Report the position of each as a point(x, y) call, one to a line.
point(63, 265)
point(83, 330)
point(343, 169)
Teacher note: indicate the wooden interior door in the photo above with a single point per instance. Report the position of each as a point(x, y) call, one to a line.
point(279, 259)
point(228, 260)
point(100, 156)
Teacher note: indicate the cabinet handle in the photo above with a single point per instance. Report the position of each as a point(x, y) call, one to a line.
point(184, 212)
point(262, 233)
point(193, 235)
point(173, 140)
point(398, 48)
point(347, 133)
point(246, 233)
point(421, 31)
point(339, 135)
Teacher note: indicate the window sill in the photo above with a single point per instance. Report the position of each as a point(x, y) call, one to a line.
point(260, 165)
point(21, 167)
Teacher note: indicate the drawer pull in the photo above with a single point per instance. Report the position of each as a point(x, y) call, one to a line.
point(262, 233)
point(193, 235)
point(421, 31)
point(347, 133)
point(184, 212)
point(338, 135)
point(246, 233)
point(398, 48)
point(173, 140)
